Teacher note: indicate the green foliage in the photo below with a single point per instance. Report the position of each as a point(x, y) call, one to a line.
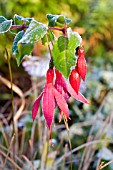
point(35, 32)
point(64, 52)
point(19, 20)
point(24, 49)
point(56, 20)
point(75, 39)
point(63, 48)
point(5, 24)
point(15, 43)
point(49, 37)
point(21, 49)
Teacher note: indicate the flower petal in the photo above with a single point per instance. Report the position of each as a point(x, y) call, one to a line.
point(48, 104)
point(36, 106)
point(78, 96)
point(61, 102)
point(60, 85)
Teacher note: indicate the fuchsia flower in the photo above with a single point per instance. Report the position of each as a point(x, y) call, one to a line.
point(66, 90)
point(51, 95)
point(79, 71)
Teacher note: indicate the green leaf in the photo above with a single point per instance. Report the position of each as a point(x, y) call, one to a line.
point(64, 52)
point(62, 43)
point(4, 24)
point(35, 32)
point(50, 35)
point(55, 20)
point(63, 57)
point(15, 43)
point(23, 49)
point(2, 19)
point(18, 20)
point(75, 39)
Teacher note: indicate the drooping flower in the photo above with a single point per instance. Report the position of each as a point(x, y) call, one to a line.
point(66, 90)
point(74, 79)
point(81, 63)
point(50, 96)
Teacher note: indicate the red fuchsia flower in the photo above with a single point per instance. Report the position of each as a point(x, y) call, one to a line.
point(74, 79)
point(50, 96)
point(66, 90)
point(79, 71)
point(81, 64)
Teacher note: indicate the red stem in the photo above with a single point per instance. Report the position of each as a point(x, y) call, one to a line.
point(18, 27)
point(54, 28)
point(64, 30)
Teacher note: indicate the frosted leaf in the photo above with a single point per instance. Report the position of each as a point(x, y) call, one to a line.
point(76, 34)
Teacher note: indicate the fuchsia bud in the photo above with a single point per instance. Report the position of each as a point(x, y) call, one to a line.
point(81, 52)
point(81, 63)
point(74, 80)
point(50, 75)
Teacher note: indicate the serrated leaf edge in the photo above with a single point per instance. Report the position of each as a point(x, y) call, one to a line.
point(70, 32)
point(9, 26)
point(22, 40)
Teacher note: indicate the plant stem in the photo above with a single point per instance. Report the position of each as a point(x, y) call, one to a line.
point(12, 98)
point(51, 64)
point(80, 147)
point(12, 140)
point(54, 28)
point(12, 161)
point(22, 27)
point(45, 149)
point(67, 128)
point(64, 29)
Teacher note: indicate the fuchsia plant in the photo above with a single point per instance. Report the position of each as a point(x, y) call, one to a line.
point(57, 90)
point(55, 93)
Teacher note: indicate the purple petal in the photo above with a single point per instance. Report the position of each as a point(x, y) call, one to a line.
point(60, 85)
point(61, 102)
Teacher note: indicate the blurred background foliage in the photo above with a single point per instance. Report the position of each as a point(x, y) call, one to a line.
point(93, 19)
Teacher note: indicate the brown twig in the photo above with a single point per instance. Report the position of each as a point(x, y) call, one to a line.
point(80, 147)
point(12, 161)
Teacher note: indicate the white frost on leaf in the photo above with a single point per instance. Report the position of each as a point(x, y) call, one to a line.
point(76, 34)
point(5, 26)
point(35, 32)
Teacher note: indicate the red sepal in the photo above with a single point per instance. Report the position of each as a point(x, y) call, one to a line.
point(61, 102)
point(48, 104)
point(60, 85)
point(36, 106)
point(78, 96)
